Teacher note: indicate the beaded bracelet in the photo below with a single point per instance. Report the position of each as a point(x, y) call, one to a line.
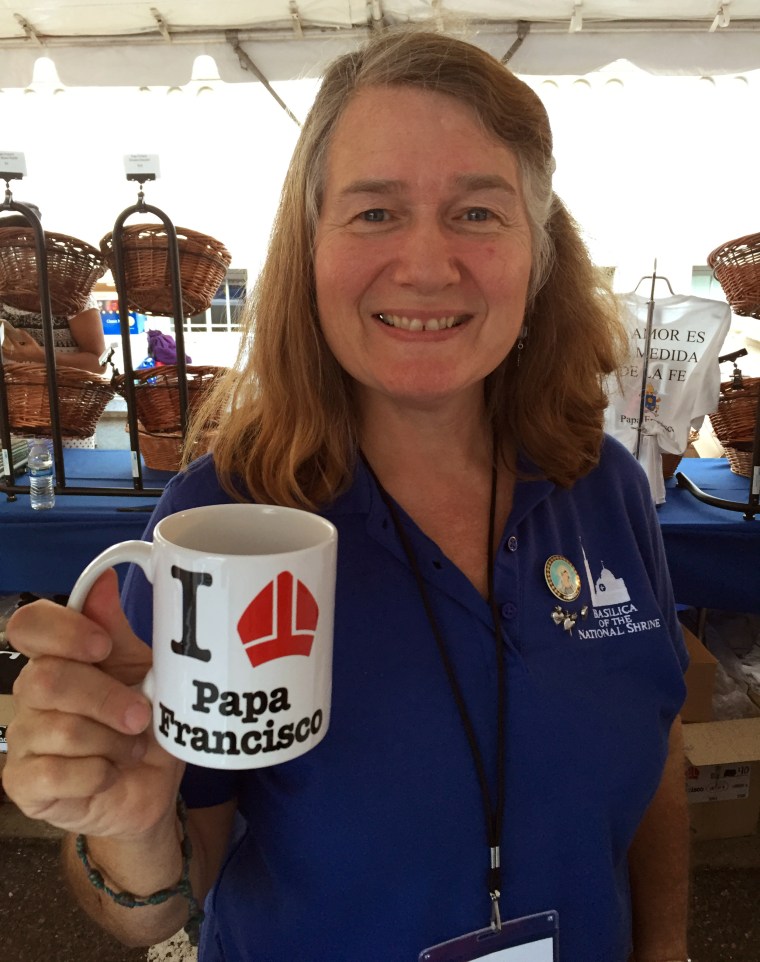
point(130, 901)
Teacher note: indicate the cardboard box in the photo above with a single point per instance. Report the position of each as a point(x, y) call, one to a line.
point(700, 680)
point(11, 663)
point(6, 713)
point(722, 757)
point(723, 777)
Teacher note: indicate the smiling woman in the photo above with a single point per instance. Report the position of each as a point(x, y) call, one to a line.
point(551, 402)
point(442, 252)
point(423, 363)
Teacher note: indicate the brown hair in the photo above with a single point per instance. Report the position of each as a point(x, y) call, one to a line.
point(287, 424)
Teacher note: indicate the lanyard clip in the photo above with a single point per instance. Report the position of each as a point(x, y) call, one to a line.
point(493, 888)
point(495, 914)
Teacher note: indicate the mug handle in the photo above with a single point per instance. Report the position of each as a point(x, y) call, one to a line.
point(135, 552)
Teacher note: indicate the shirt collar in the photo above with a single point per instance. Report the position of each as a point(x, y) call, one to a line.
point(362, 497)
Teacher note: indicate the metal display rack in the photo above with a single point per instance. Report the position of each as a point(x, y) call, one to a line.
point(121, 290)
point(654, 277)
point(751, 506)
point(8, 478)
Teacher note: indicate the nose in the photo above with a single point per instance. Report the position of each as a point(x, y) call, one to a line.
point(425, 257)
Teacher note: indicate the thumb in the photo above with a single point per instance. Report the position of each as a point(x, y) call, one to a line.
point(129, 658)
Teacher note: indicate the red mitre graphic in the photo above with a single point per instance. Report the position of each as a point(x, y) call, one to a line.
point(281, 620)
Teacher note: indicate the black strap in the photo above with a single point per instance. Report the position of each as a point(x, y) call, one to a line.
point(494, 814)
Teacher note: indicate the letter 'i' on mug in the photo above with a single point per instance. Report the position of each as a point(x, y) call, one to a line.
point(243, 605)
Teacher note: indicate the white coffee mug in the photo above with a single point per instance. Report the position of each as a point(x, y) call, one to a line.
point(243, 605)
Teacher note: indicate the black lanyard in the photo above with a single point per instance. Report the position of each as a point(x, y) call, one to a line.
point(494, 814)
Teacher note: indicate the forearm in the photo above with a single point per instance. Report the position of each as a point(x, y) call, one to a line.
point(659, 867)
point(140, 867)
point(84, 360)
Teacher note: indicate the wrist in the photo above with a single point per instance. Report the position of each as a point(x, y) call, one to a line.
point(141, 863)
point(131, 899)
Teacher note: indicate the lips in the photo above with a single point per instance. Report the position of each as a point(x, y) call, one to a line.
point(405, 322)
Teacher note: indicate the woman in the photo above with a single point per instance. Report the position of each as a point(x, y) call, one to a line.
point(406, 380)
point(78, 339)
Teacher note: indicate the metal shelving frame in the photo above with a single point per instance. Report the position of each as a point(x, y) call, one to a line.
point(8, 479)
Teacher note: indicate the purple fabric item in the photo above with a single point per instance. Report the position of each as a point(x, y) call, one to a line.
point(163, 348)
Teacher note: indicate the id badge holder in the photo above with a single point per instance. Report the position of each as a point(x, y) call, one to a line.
point(533, 938)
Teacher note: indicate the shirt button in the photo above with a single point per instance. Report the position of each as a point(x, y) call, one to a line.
point(508, 610)
point(512, 543)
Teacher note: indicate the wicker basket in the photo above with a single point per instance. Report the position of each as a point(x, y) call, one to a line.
point(740, 458)
point(203, 263)
point(737, 266)
point(670, 463)
point(73, 268)
point(162, 451)
point(82, 397)
point(157, 393)
point(734, 420)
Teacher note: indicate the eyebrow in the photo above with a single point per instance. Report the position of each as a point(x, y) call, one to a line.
point(372, 187)
point(467, 182)
point(485, 182)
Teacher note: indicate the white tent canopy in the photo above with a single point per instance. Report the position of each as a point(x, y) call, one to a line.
point(650, 165)
point(156, 42)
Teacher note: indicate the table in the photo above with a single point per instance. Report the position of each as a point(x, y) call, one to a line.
point(713, 554)
point(45, 551)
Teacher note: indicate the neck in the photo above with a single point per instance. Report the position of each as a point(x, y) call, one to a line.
point(438, 465)
point(425, 442)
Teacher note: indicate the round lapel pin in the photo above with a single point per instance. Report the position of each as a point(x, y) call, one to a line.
point(563, 580)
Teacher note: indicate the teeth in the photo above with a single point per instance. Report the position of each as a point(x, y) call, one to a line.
point(415, 324)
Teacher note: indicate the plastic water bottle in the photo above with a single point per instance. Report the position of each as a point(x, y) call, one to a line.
point(41, 477)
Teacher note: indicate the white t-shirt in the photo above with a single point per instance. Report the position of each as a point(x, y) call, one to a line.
point(682, 382)
point(683, 377)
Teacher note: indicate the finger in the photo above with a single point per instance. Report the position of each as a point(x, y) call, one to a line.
point(72, 736)
point(71, 687)
point(40, 781)
point(45, 628)
point(128, 658)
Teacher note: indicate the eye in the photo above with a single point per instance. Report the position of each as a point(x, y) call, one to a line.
point(375, 215)
point(477, 214)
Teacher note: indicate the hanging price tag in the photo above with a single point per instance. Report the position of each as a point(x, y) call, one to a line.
point(12, 162)
point(141, 166)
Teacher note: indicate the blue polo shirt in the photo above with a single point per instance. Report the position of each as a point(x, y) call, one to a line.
point(373, 846)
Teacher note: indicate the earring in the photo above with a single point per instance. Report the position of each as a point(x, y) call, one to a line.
point(520, 345)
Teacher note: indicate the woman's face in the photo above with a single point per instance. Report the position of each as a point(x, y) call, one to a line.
point(423, 249)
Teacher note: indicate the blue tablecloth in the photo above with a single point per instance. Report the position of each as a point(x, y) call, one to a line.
point(713, 553)
point(45, 551)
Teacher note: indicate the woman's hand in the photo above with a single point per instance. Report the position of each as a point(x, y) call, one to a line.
point(81, 753)
point(21, 346)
